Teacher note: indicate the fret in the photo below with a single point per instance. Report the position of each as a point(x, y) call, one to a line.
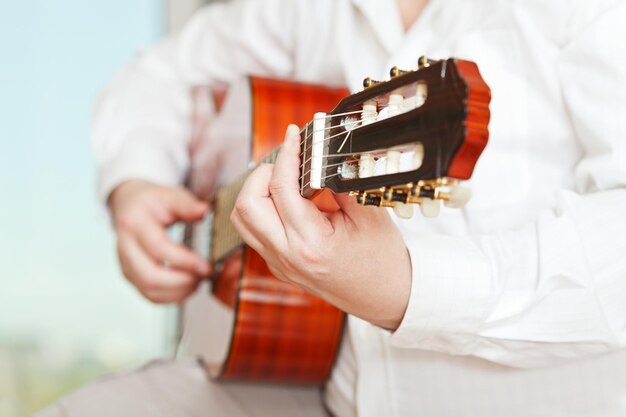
point(225, 237)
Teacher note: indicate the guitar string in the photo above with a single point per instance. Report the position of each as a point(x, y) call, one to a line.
point(302, 165)
point(271, 157)
point(327, 117)
point(309, 134)
point(358, 124)
point(379, 109)
point(273, 153)
point(331, 175)
point(323, 166)
point(377, 162)
point(313, 131)
point(322, 178)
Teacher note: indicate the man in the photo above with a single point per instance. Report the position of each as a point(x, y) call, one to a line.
point(514, 306)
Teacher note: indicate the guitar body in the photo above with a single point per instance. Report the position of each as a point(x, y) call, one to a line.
point(280, 333)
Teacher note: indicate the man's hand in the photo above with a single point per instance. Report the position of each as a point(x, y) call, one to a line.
point(354, 258)
point(163, 271)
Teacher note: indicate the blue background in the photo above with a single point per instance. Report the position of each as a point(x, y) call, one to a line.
point(66, 313)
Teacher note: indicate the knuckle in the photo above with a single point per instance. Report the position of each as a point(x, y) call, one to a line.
point(264, 170)
point(126, 222)
point(189, 262)
point(278, 273)
point(307, 253)
point(243, 206)
point(158, 251)
point(233, 216)
point(314, 257)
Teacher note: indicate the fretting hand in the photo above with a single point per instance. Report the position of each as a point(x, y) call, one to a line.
point(354, 258)
point(163, 271)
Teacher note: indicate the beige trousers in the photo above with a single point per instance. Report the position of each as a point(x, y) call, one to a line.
point(182, 389)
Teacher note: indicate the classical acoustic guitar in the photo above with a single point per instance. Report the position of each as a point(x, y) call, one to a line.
point(406, 141)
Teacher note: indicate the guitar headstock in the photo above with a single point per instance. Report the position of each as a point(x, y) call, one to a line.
point(408, 140)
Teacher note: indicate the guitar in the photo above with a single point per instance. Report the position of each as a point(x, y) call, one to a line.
point(398, 143)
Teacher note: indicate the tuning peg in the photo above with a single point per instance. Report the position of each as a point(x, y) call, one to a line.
point(430, 207)
point(459, 196)
point(368, 82)
point(395, 72)
point(423, 62)
point(404, 211)
point(367, 165)
point(418, 156)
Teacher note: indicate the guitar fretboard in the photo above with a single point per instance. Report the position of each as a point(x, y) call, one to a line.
point(225, 237)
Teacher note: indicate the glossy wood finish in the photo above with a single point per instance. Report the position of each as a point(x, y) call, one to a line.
point(451, 125)
point(476, 121)
point(282, 333)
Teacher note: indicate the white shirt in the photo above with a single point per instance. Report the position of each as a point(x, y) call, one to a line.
point(518, 301)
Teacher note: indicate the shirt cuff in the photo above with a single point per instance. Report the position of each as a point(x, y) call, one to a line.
point(137, 160)
point(450, 296)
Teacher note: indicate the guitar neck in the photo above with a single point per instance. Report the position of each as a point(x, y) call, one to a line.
point(225, 239)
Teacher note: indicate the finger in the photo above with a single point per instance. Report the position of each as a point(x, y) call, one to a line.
point(184, 205)
point(156, 243)
point(245, 233)
point(350, 207)
point(255, 212)
point(142, 271)
point(297, 213)
point(171, 296)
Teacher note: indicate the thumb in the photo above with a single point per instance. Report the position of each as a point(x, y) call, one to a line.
point(347, 203)
point(354, 211)
point(186, 206)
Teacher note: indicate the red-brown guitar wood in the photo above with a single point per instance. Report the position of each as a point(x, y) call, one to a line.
point(281, 333)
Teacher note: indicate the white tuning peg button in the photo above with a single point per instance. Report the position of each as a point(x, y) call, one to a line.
point(430, 207)
point(392, 166)
point(418, 156)
point(367, 164)
point(459, 196)
point(404, 211)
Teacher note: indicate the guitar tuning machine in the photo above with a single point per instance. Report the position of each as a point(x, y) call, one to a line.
point(424, 62)
point(368, 82)
point(396, 72)
point(427, 194)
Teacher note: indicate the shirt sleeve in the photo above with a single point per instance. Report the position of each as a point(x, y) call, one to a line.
point(555, 289)
point(142, 120)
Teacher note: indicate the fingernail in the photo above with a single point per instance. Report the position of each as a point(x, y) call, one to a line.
point(292, 130)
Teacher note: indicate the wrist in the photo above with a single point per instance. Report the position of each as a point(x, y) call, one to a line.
point(121, 192)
